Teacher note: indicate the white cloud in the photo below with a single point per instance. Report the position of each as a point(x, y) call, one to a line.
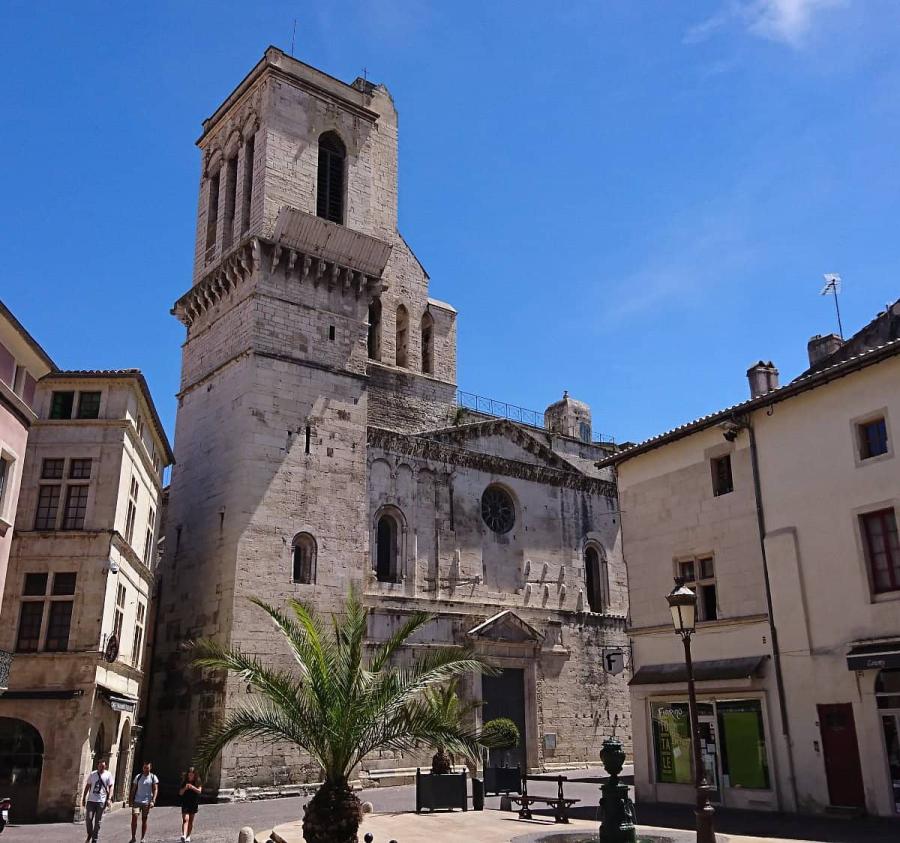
point(788, 21)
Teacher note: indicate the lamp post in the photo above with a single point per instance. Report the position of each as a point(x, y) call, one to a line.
point(683, 605)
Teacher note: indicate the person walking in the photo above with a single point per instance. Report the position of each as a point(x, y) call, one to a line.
point(97, 794)
point(191, 788)
point(143, 797)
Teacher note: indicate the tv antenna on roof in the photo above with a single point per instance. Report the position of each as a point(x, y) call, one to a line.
point(832, 288)
point(293, 37)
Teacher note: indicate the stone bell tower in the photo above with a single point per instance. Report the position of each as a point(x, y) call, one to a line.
point(302, 287)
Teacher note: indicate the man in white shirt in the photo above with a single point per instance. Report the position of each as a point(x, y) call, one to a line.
point(97, 794)
point(143, 798)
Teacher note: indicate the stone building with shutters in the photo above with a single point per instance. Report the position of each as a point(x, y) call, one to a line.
point(76, 606)
point(321, 446)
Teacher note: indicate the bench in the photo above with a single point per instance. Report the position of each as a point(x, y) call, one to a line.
point(559, 803)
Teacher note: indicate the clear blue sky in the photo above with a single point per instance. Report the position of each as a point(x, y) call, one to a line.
point(629, 200)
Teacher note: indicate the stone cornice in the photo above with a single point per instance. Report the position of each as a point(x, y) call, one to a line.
point(255, 253)
point(420, 447)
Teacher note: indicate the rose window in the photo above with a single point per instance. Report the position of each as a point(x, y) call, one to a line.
point(498, 509)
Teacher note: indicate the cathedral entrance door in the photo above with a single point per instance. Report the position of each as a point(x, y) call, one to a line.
point(504, 696)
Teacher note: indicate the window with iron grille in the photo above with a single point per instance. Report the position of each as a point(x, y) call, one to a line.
point(88, 405)
point(721, 475)
point(699, 576)
point(873, 439)
point(47, 507)
point(76, 507)
point(882, 545)
point(330, 194)
point(80, 469)
point(61, 405)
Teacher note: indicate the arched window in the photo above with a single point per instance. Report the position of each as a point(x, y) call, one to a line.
point(596, 579)
point(375, 330)
point(303, 552)
point(402, 336)
point(330, 196)
point(428, 344)
point(387, 549)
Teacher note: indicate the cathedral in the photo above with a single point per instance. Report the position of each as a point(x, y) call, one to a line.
point(320, 446)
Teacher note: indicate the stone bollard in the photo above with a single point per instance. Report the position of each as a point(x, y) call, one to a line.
point(246, 835)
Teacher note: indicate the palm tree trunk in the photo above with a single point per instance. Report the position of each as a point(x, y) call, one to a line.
point(333, 815)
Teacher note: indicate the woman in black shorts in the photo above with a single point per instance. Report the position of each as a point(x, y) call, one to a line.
point(190, 802)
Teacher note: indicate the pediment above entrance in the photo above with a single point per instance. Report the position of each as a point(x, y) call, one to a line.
point(506, 627)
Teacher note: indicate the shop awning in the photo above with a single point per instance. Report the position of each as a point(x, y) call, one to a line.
point(875, 656)
point(742, 668)
point(118, 702)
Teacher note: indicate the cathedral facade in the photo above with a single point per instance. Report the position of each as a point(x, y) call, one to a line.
point(320, 447)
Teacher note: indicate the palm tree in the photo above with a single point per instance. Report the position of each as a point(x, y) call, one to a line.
point(445, 702)
point(338, 705)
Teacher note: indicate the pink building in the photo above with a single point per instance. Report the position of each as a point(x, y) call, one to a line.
point(22, 363)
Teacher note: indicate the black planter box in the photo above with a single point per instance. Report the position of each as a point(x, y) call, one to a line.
point(440, 791)
point(502, 780)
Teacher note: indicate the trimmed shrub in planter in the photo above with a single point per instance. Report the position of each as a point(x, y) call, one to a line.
point(501, 734)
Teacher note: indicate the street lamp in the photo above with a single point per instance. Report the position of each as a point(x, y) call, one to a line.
point(683, 605)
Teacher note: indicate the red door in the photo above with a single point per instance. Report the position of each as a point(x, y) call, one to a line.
point(842, 768)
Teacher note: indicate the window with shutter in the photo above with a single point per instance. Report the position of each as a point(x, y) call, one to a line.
point(330, 195)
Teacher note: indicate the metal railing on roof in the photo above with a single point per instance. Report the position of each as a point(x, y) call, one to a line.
point(504, 410)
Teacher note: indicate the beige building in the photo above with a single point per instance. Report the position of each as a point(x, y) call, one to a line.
point(22, 363)
point(321, 447)
point(76, 603)
point(782, 514)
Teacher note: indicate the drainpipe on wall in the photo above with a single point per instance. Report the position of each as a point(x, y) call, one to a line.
point(776, 651)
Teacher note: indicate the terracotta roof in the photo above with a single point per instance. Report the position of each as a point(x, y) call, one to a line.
point(802, 384)
point(121, 374)
point(35, 345)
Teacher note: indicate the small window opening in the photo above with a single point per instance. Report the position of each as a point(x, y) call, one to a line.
point(873, 440)
point(308, 438)
point(374, 338)
point(331, 332)
point(304, 558)
point(247, 193)
point(699, 575)
point(387, 550)
point(330, 196)
point(402, 354)
point(61, 405)
point(428, 344)
point(722, 480)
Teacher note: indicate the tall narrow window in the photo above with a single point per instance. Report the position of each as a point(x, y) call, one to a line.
point(230, 199)
point(386, 550)
point(212, 215)
point(120, 613)
point(76, 507)
point(131, 512)
point(882, 544)
point(402, 337)
point(61, 405)
point(88, 405)
point(247, 193)
point(138, 641)
point(722, 481)
point(303, 551)
point(47, 507)
point(428, 344)
point(873, 439)
point(330, 196)
point(148, 539)
point(374, 343)
point(596, 579)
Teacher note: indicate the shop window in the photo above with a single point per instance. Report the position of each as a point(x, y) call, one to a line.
point(887, 698)
point(882, 547)
point(721, 475)
point(304, 558)
point(743, 744)
point(88, 405)
point(699, 576)
point(61, 405)
point(873, 440)
point(672, 742)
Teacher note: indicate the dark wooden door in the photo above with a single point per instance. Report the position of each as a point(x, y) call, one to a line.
point(504, 696)
point(841, 751)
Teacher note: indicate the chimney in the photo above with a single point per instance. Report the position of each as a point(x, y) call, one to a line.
point(763, 378)
point(820, 347)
